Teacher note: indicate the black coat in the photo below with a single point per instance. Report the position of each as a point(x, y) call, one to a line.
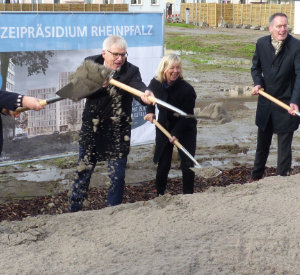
point(106, 119)
point(7, 101)
point(181, 95)
point(279, 75)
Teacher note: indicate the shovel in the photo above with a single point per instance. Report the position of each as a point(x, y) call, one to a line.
point(43, 103)
point(97, 73)
point(89, 77)
point(276, 101)
point(75, 90)
point(177, 143)
point(151, 98)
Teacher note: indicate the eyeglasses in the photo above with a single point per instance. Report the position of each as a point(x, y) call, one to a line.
point(278, 27)
point(116, 55)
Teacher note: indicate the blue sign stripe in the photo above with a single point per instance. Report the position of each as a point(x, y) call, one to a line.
point(48, 31)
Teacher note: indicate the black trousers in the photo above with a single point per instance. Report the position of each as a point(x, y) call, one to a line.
point(163, 168)
point(284, 153)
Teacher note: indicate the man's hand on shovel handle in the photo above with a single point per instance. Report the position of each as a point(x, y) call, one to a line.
point(149, 117)
point(145, 99)
point(173, 139)
point(255, 90)
point(293, 109)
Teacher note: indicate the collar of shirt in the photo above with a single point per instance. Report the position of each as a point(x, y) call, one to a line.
point(277, 45)
point(112, 71)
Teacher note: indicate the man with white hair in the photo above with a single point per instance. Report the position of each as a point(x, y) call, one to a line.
point(106, 125)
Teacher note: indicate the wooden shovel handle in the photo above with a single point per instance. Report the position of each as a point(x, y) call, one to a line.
point(23, 109)
point(273, 99)
point(130, 89)
point(160, 127)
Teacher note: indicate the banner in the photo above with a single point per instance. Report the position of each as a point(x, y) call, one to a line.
point(76, 31)
point(44, 48)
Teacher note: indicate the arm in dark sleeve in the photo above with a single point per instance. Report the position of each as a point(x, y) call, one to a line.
point(8, 100)
point(296, 91)
point(150, 108)
point(256, 70)
point(187, 106)
point(137, 83)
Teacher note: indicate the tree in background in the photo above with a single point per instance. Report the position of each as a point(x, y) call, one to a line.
point(36, 62)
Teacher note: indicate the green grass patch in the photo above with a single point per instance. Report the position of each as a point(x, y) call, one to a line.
point(189, 43)
point(181, 25)
point(246, 50)
point(209, 64)
point(207, 44)
point(221, 37)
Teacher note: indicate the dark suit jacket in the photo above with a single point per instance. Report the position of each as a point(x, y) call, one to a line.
point(7, 101)
point(279, 75)
point(106, 119)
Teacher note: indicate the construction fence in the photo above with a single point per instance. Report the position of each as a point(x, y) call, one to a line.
point(64, 7)
point(233, 14)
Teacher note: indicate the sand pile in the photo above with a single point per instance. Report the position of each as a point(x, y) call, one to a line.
point(214, 111)
point(240, 229)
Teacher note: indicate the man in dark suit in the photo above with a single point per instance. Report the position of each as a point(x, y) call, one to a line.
point(10, 101)
point(276, 69)
point(106, 125)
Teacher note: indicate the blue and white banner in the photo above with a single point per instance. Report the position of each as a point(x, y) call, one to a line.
point(36, 32)
point(65, 40)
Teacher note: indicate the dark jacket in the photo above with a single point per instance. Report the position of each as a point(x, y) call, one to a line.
point(279, 75)
point(181, 95)
point(7, 101)
point(106, 119)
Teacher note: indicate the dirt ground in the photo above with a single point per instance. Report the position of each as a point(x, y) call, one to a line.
point(220, 144)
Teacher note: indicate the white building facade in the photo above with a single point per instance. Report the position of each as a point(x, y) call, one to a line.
point(44, 121)
point(69, 112)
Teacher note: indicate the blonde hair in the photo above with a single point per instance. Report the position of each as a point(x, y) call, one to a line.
point(165, 64)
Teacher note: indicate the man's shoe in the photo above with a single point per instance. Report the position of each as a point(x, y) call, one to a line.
point(74, 207)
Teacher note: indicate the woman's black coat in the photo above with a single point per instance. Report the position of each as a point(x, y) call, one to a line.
point(106, 119)
point(7, 101)
point(181, 95)
point(279, 75)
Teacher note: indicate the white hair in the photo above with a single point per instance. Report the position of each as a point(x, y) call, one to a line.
point(114, 39)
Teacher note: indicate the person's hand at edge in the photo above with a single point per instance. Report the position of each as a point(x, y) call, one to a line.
point(150, 117)
point(173, 139)
point(255, 90)
point(293, 109)
point(32, 103)
point(145, 97)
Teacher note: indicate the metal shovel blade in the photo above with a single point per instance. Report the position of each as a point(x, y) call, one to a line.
point(197, 165)
point(75, 92)
point(170, 107)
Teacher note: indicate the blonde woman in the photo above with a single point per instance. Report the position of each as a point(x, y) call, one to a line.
point(169, 85)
